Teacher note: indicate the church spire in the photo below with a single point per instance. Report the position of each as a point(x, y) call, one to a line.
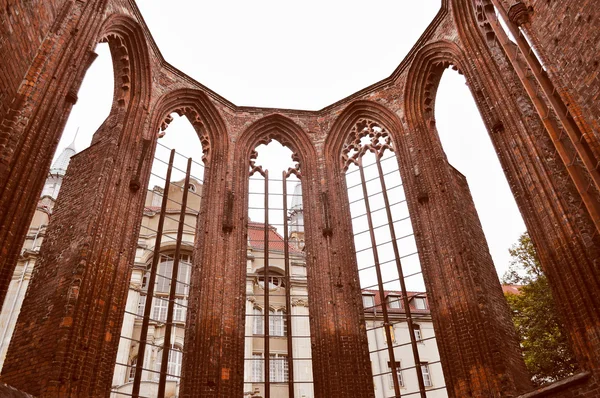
point(62, 162)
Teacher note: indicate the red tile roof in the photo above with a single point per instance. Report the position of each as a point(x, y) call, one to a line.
point(511, 289)
point(256, 238)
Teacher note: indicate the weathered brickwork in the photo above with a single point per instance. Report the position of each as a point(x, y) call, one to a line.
point(66, 338)
point(566, 36)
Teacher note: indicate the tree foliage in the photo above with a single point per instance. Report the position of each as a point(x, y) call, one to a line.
point(543, 340)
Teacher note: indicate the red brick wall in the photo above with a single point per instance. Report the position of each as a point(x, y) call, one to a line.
point(566, 34)
point(67, 335)
point(23, 27)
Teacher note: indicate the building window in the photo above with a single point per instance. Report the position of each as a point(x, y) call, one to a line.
point(192, 188)
point(277, 324)
point(278, 368)
point(174, 364)
point(258, 325)
point(257, 368)
point(368, 300)
point(159, 309)
point(400, 380)
point(426, 375)
point(417, 330)
point(180, 310)
point(141, 306)
point(132, 366)
point(165, 274)
point(274, 282)
point(420, 303)
point(394, 302)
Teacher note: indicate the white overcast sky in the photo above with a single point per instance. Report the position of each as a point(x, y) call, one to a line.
point(306, 55)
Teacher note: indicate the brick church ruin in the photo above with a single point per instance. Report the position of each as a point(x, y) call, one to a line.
point(536, 82)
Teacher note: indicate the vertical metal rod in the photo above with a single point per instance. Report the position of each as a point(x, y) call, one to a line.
point(405, 302)
point(135, 392)
point(173, 288)
point(288, 287)
point(386, 319)
point(267, 337)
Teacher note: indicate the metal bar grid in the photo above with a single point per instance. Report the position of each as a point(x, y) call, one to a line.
point(288, 300)
point(391, 244)
point(267, 249)
point(145, 320)
point(173, 297)
point(167, 339)
point(388, 335)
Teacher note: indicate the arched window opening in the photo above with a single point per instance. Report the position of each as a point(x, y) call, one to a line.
point(277, 347)
point(469, 150)
point(157, 302)
point(96, 94)
point(388, 264)
point(94, 102)
point(275, 278)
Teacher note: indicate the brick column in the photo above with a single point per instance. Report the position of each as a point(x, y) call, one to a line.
point(31, 128)
point(68, 332)
point(562, 229)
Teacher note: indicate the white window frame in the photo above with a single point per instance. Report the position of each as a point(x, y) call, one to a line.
point(418, 333)
point(391, 375)
point(394, 302)
point(368, 301)
point(427, 381)
point(141, 305)
point(420, 303)
point(258, 368)
point(180, 310)
point(278, 368)
point(132, 366)
point(258, 323)
point(174, 364)
point(277, 325)
point(160, 306)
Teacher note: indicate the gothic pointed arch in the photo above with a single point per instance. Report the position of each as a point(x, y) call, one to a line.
point(201, 113)
point(282, 129)
point(345, 122)
point(443, 191)
point(131, 60)
point(424, 77)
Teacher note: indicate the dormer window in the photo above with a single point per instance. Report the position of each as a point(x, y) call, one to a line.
point(394, 302)
point(420, 303)
point(368, 300)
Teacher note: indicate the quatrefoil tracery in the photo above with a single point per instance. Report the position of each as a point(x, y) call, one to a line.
point(255, 168)
point(366, 135)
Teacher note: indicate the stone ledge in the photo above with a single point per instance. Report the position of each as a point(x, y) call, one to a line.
point(579, 378)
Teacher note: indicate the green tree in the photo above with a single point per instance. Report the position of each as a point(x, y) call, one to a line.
point(543, 340)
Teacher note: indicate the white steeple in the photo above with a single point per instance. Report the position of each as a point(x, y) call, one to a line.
point(58, 170)
point(296, 219)
point(62, 162)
